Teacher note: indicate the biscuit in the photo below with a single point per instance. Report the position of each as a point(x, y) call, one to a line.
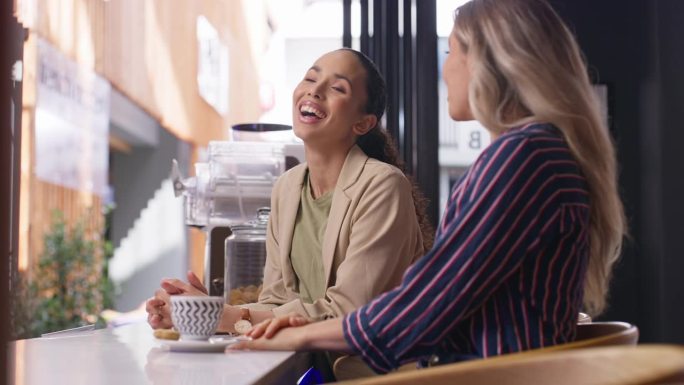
point(244, 295)
point(166, 334)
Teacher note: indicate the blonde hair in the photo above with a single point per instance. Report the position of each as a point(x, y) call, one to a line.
point(525, 66)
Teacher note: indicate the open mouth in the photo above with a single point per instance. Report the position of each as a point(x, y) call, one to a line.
point(311, 113)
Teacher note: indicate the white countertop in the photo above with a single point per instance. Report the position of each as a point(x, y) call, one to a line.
point(131, 355)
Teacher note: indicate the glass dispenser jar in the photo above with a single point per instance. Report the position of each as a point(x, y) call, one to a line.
point(245, 260)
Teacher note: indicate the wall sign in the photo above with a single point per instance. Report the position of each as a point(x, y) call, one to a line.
point(213, 66)
point(72, 123)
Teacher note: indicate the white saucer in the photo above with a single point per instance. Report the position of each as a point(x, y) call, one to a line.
point(213, 345)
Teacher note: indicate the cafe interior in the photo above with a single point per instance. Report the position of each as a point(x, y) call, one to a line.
point(142, 139)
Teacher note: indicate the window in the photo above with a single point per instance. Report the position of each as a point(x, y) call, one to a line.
point(298, 33)
point(460, 143)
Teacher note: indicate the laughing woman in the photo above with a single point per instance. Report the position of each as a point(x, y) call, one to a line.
point(530, 232)
point(345, 225)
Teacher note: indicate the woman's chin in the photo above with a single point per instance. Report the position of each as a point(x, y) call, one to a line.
point(461, 116)
point(303, 132)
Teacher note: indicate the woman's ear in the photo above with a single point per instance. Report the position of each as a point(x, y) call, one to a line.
point(365, 124)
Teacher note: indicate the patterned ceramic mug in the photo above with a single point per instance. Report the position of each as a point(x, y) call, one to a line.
point(196, 317)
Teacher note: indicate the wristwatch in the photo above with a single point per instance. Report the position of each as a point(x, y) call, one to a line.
point(243, 325)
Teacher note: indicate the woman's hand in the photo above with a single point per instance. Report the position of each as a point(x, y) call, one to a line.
point(324, 335)
point(176, 286)
point(159, 310)
point(270, 327)
point(159, 307)
point(288, 338)
point(280, 333)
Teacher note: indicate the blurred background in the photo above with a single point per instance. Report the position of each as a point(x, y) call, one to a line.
point(112, 91)
point(105, 93)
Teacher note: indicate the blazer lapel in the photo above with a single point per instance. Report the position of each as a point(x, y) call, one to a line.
point(289, 208)
point(352, 168)
point(338, 210)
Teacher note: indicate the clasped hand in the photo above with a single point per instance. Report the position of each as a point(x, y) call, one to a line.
point(279, 333)
point(159, 307)
point(266, 335)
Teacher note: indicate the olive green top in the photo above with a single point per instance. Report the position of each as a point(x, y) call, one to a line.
point(306, 254)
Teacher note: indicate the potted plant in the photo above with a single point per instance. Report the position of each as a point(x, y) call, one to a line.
point(69, 285)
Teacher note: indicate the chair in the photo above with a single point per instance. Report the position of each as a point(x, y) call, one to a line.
point(589, 335)
point(598, 334)
point(351, 368)
point(605, 334)
point(583, 318)
point(613, 365)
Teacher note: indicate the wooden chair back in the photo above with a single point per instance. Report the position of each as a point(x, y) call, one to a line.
point(608, 333)
point(613, 365)
point(598, 334)
point(589, 335)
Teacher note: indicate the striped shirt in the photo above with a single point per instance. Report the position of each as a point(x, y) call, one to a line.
point(507, 268)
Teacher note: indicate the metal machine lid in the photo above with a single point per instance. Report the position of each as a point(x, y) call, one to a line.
point(260, 127)
point(258, 224)
point(263, 213)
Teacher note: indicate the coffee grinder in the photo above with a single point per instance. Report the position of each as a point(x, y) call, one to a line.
point(229, 188)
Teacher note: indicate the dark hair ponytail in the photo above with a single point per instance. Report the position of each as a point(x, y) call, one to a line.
point(378, 144)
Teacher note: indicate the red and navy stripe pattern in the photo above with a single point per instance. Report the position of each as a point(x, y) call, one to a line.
point(507, 268)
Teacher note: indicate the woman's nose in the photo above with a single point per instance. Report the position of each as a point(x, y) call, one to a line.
point(314, 94)
point(315, 91)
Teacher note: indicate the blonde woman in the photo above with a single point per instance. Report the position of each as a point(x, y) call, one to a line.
point(531, 231)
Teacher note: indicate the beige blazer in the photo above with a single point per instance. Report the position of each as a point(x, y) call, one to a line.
point(372, 236)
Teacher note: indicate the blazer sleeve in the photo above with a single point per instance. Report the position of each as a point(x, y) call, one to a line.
point(383, 241)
